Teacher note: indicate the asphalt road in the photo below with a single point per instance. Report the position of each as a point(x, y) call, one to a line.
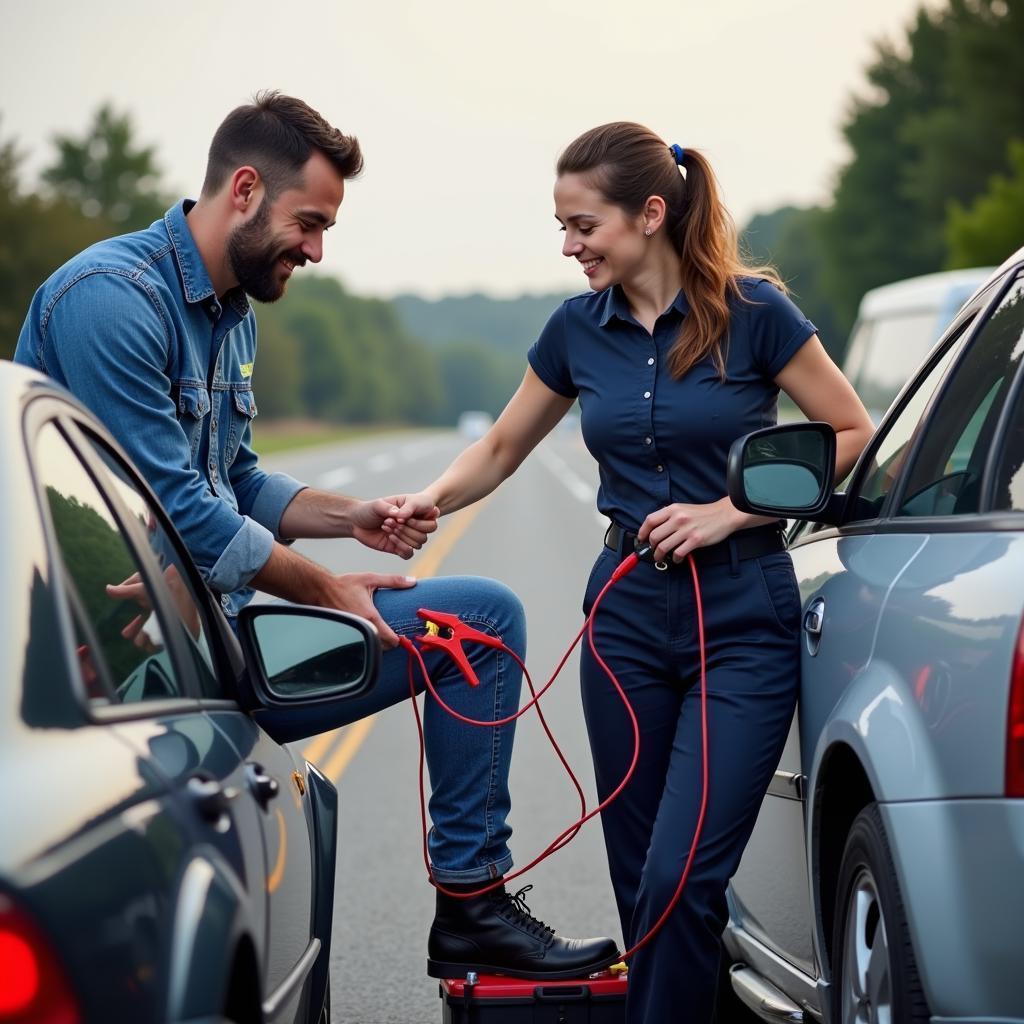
point(539, 534)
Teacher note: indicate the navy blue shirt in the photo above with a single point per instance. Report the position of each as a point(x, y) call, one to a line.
point(659, 440)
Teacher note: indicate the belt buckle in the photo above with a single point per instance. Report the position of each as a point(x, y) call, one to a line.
point(645, 553)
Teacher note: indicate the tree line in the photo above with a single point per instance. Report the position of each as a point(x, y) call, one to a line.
point(323, 352)
point(934, 180)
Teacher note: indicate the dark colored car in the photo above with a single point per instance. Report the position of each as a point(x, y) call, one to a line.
point(884, 880)
point(163, 857)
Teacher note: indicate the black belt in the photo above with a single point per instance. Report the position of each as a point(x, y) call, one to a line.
point(752, 543)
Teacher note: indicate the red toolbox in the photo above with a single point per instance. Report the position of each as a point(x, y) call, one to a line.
point(493, 999)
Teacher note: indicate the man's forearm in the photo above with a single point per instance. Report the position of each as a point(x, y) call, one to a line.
point(287, 574)
point(314, 514)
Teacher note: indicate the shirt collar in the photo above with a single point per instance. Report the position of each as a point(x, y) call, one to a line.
point(616, 305)
point(194, 276)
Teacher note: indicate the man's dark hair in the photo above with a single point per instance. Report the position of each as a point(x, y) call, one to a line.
point(277, 134)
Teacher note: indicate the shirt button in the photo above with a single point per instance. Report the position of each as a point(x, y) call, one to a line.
point(648, 440)
point(650, 362)
point(661, 469)
point(214, 424)
point(647, 394)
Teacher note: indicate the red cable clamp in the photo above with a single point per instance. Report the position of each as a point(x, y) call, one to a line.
point(447, 632)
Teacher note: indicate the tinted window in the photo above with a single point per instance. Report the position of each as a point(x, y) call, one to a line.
point(176, 575)
point(1009, 493)
point(120, 644)
point(876, 482)
point(947, 472)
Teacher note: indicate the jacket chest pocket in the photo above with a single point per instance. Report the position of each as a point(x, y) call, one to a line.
point(193, 409)
point(240, 413)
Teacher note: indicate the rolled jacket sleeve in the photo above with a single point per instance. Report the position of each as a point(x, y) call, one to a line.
point(263, 496)
point(114, 358)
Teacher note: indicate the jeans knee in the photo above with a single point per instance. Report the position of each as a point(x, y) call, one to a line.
point(501, 608)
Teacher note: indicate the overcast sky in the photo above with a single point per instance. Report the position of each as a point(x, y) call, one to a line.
point(461, 106)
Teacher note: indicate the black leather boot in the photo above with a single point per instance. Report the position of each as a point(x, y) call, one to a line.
point(496, 934)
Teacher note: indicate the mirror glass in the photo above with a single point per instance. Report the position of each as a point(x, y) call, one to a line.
point(786, 470)
point(309, 657)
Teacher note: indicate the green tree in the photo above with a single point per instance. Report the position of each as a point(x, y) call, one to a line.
point(106, 174)
point(932, 131)
point(792, 240)
point(992, 227)
point(36, 236)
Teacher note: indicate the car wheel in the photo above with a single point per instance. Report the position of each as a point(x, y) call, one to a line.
point(875, 977)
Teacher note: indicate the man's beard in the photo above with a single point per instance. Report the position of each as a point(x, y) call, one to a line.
point(253, 257)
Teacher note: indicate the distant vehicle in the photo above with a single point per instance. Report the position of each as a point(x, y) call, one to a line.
point(474, 423)
point(883, 879)
point(897, 325)
point(164, 859)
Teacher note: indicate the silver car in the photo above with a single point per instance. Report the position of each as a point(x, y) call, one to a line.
point(884, 880)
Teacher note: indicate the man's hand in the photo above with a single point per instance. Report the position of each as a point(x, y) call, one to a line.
point(353, 592)
point(133, 589)
point(677, 529)
point(396, 524)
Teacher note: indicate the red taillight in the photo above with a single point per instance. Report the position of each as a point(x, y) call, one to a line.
point(32, 985)
point(1015, 724)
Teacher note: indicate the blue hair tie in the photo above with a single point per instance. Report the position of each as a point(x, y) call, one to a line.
point(678, 152)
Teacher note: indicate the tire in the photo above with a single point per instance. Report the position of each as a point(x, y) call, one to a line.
point(874, 973)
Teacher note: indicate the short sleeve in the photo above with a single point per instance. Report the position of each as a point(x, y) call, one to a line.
point(549, 355)
point(778, 328)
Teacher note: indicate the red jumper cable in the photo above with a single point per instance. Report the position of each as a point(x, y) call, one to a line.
point(458, 632)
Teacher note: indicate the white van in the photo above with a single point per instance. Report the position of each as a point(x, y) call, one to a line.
point(896, 326)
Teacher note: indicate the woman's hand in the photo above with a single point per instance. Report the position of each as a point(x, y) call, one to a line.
point(676, 530)
point(399, 525)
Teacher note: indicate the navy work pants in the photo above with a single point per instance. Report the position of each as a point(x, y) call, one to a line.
point(646, 630)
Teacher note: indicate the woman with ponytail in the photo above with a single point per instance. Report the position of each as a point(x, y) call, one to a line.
point(677, 350)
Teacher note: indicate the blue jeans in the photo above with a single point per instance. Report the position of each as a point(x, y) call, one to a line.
point(469, 765)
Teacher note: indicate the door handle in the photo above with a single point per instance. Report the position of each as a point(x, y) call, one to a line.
point(212, 800)
point(264, 787)
point(814, 623)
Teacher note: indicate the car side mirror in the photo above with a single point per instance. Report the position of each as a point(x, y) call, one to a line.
point(783, 471)
point(300, 656)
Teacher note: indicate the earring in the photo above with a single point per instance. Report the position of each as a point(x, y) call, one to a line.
point(647, 231)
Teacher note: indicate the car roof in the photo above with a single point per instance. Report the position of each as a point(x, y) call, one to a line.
point(930, 291)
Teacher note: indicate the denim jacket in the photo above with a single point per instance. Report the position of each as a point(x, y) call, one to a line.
point(133, 328)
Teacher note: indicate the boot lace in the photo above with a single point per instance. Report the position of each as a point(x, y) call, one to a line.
point(518, 913)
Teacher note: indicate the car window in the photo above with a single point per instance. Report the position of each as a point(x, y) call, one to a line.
point(945, 478)
point(176, 575)
point(869, 492)
point(1009, 492)
point(121, 648)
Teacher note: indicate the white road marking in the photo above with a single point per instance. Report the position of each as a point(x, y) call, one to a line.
point(379, 463)
point(575, 484)
point(336, 478)
point(418, 448)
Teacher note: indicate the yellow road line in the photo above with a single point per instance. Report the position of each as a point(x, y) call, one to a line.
point(318, 747)
point(352, 739)
point(422, 567)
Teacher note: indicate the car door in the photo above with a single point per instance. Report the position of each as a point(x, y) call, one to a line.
point(127, 661)
point(231, 766)
point(844, 577)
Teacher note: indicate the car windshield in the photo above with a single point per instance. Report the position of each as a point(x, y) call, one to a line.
point(885, 353)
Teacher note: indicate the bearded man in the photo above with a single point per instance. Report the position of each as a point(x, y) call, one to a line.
point(153, 331)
